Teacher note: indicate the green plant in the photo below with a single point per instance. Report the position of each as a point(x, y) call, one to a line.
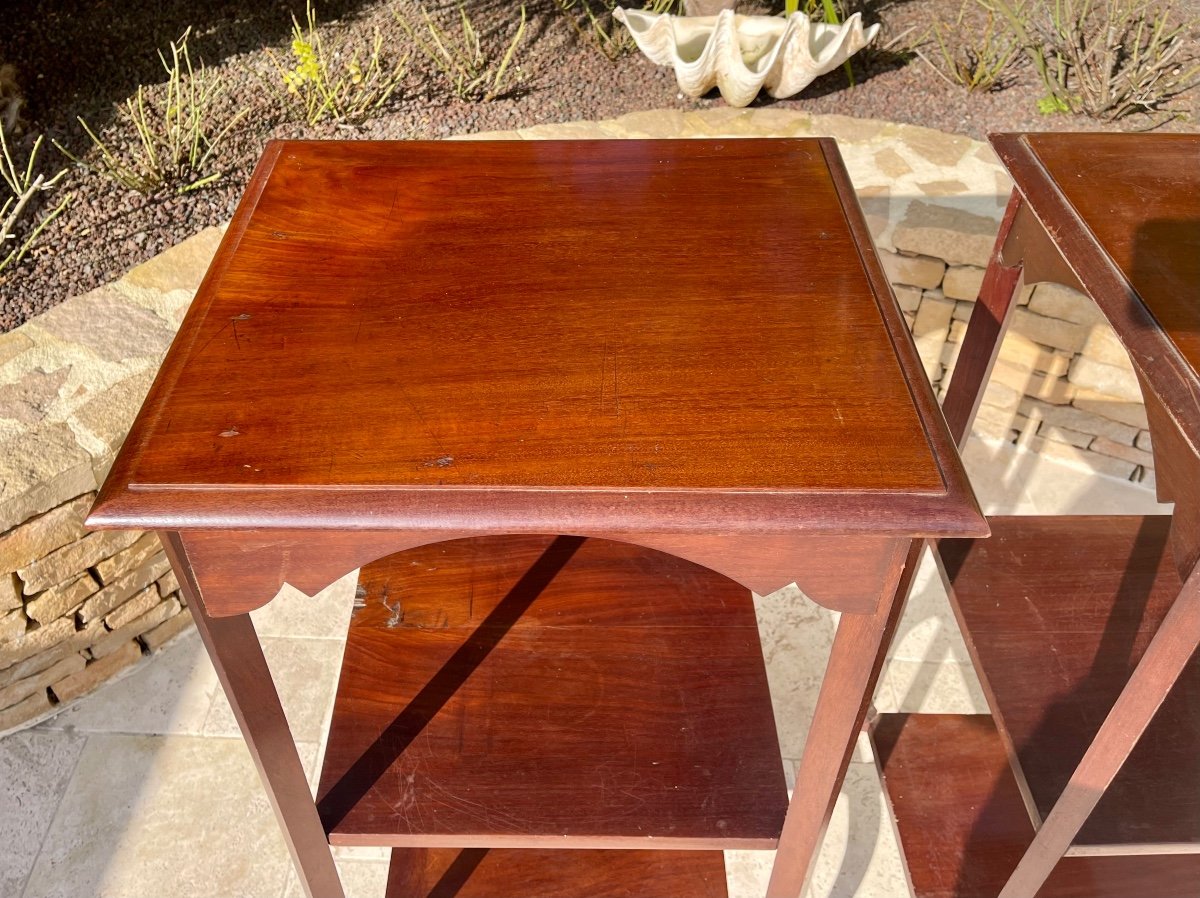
point(174, 137)
point(24, 187)
point(976, 60)
point(473, 73)
point(1105, 58)
point(602, 31)
point(319, 85)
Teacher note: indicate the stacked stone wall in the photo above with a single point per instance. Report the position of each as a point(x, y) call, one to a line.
point(79, 608)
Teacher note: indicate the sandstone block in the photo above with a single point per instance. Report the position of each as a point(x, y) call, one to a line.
point(1057, 301)
point(933, 315)
point(1103, 346)
point(115, 640)
point(963, 311)
point(37, 640)
point(155, 639)
point(27, 399)
point(19, 690)
point(36, 706)
point(1055, 390)
point(909, 298)
point(109, 324)
point(168, 584)
point(127, 612)
point(997, 424)
point(12, 344)
point(123, 588)
point(111, 413)
point(182, 266)
point(1048, 331)
point(97, 672)
point(1074, 438)
point(39, 474)
point(1131, 413)
point(69, 561)
point(1083, 458)
point(1105, 446)
point(1076, 419)
point(962, 282)
point(10, 592)
point(146, 547)
point(70, 643)
point(1143, 441)
point(1121, 383)
point(944, 232)
point(913, 271)
point(1020, 350)
point(12, 626)
point(1001, 396)
point(60, 600)
point(42, 535)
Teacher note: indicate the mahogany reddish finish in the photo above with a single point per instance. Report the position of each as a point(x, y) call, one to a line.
point(1083, 635)
point(1057, 612)
point(526, 690)
point(689, 347)
point(538, 324)
point(546, 873)
point(963, 825)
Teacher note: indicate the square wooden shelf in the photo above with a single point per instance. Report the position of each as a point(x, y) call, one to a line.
point(1056, 612)
point(963, 824)
point(526, 691)
point(553, 873)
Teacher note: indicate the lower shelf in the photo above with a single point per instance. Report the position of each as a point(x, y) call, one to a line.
point(554, 873)
point(1056, 612)
point(531, 692)
point(963, 824)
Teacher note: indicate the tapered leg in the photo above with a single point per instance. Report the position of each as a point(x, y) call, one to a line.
point(847, 688)
point(985, 332)
point(237, 656)
point(1165, 658)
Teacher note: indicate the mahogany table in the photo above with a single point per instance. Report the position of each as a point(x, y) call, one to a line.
point(568, 402)
point(1082, 629)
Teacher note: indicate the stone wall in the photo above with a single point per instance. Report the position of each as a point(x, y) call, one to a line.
point(78, 609)
point(1062, 386)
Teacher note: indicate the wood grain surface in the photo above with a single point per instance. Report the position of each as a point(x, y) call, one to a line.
point(537, 691)
point(1057, 612)
point(963, 825)
point(555, 873)
point(541, 326)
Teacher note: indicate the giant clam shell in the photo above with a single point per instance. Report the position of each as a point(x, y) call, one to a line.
point(743, 54)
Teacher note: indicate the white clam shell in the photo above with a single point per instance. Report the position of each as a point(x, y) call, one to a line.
point(743, 54)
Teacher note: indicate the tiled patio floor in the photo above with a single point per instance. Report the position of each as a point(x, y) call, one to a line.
point(146, 789)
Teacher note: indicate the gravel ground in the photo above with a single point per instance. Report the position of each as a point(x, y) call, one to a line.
point(76, 59)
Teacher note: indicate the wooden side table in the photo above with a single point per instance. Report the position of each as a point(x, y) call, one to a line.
point(568, 402)
point(1081, 628)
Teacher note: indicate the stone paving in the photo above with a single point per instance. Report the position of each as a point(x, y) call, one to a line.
point(144, 788)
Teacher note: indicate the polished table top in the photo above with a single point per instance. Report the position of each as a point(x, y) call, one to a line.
point(639, 331)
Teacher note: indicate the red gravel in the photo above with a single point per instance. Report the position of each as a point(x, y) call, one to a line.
point(80, 59)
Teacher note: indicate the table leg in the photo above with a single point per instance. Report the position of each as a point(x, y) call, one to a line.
point(237, 656)
point(1169, 651)
point(857, 656)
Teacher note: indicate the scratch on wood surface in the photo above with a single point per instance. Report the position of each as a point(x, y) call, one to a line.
point(245, 316)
